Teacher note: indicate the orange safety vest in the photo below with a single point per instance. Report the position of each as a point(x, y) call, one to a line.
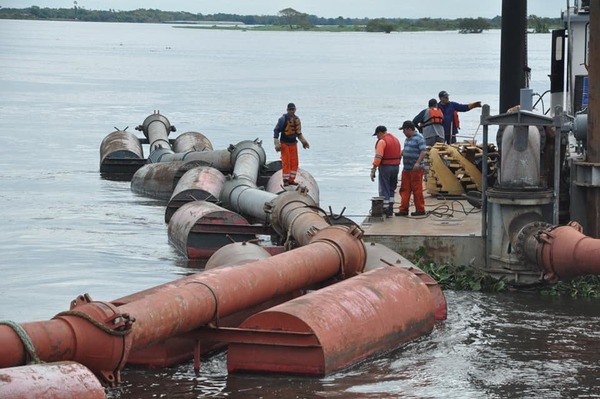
point(393, 150)
point(436, 117)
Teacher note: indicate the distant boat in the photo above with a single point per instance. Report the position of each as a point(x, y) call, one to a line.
point(471, 30)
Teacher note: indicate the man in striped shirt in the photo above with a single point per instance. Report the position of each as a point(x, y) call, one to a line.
point(412, 173)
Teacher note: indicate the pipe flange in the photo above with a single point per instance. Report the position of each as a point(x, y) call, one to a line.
point(156, 117)
point(527, 234)
point(251, 145)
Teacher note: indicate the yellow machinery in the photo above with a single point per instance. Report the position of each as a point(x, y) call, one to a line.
point(455, 169)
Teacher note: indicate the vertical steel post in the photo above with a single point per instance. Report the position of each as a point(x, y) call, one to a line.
point(593, 138)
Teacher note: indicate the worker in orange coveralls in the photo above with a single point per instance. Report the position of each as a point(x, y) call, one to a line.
point(286, 134)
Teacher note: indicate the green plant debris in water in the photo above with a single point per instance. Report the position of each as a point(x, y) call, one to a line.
point(468, 278)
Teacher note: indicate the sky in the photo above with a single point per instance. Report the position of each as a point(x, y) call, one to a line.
point(449, 9)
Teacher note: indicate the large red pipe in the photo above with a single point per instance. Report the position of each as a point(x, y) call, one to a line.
point(199, 299)
point(565, 252)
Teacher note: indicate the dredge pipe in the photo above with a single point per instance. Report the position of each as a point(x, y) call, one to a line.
point(219, 292)
point(563, 252)
point(156, 128)
point(95, 334)
point(218, 159)
point(199, 299)
point(293, 214)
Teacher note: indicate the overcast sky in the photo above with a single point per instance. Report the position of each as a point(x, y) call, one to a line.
point(323, 8)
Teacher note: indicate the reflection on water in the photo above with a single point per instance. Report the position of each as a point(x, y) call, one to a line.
point(65, 231)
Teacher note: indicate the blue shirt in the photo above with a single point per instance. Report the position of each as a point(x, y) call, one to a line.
point(413, 146)
point(448, 111)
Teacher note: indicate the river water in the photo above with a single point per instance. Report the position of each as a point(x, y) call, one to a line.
point(65, 231)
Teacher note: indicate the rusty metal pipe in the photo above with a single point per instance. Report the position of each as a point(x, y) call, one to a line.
point(218, 159)
point(219, 292)
point(65, 380)
point(293, 214)
point(156, 128)
point(563, 252)
point(94, 334)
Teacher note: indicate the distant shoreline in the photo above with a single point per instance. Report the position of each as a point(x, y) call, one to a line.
point(286, 20)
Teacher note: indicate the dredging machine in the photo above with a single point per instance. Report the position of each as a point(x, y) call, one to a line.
point(316, 296)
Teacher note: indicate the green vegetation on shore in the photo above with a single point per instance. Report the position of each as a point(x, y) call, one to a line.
point(468, 278)
point(287, 19)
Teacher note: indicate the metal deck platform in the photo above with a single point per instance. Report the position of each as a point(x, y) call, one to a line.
point(450, 232)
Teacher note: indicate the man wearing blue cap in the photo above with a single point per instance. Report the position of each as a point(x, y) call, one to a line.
point(286, 134)
point(450, 109)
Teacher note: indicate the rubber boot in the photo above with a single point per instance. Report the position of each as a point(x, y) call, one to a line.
point(389, 212)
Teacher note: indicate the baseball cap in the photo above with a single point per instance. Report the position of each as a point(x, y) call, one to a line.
point(380, 129)
point(443, 93)
point(291, 106)
point(407, 125)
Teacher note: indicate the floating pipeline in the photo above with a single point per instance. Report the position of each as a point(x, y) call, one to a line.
point(100, 335)
point(95, 334)
point(275, 184)
point(103, 336)
point(178, 349)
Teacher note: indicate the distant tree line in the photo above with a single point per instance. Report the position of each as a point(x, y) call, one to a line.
point(287, 17)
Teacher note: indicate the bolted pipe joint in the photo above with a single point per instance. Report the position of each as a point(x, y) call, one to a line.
point(522, 231)
point(253, 146)
point(156, 117)
point(288, 205)
point(158, 154)
point(564, 252)
point(101, 337)
point(350, 248)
